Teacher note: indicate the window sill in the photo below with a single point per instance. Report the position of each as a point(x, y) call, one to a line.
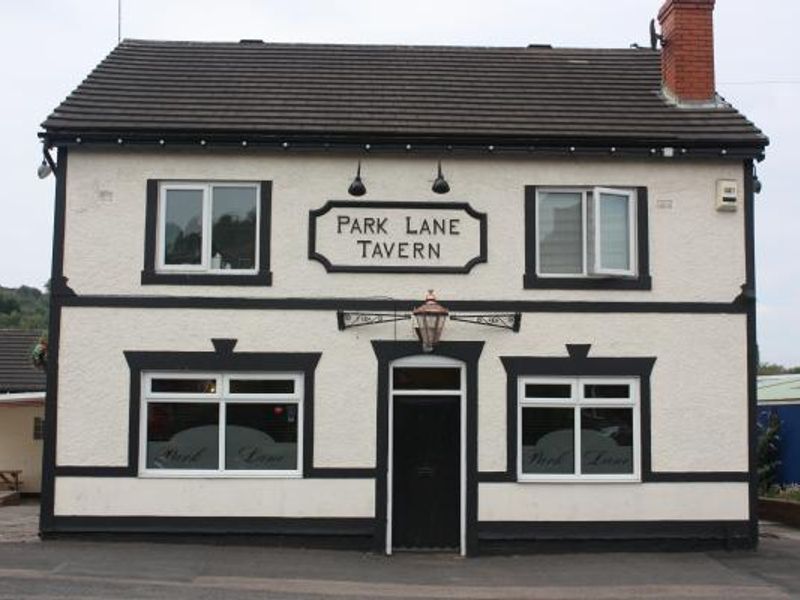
point(614, 480)
point(532, 281)
point(262, 278)
point(209, 475)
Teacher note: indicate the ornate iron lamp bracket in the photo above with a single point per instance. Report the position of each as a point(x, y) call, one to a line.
point(348, 319)
point(510, 321)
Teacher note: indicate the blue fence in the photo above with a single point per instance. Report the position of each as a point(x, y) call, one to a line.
point(789, 415)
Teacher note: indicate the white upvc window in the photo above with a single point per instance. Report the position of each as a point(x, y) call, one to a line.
point(585, 232)
point(199, 424)
point(578, 429)
point(208, 228)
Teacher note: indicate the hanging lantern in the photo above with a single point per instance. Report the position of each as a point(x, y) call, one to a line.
point(429, 321)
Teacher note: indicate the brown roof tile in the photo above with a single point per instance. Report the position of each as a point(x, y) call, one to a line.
point(529, 94)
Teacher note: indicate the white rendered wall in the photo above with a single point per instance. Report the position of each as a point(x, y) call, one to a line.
point(613, 502)
point(103, 496)
point(698, 384)
point(696, 253)
point(18, 449)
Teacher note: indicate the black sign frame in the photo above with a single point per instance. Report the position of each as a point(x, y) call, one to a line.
point(314, 214)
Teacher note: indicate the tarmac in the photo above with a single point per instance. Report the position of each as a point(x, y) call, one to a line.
point(111, 570)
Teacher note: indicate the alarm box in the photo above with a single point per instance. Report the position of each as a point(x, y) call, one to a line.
point(727, 195)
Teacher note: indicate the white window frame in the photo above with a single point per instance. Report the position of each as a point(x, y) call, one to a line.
point(207, 213)
point(222, 398)
point(597, 268)
point(591, 270)
point(578, 402)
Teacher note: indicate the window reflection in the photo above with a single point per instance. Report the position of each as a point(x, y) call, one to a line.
point(548, 440)
point(261, 437)
point(606, 440)
point(233, 238)
point(182, 435)
point(183, 231)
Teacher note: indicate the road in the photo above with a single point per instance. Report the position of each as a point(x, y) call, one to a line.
point(111, 570)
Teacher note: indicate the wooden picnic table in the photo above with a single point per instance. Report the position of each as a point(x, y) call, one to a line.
point(11, 478)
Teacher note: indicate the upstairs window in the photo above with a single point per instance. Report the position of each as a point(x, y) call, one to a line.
point(207, 233)
point(586, 232)
point(209, 228)
point(586, 237)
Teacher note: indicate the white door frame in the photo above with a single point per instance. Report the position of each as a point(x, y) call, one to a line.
point(427, 360)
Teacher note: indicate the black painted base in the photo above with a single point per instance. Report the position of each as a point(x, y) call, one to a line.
point(614, 536)
point(360, 534)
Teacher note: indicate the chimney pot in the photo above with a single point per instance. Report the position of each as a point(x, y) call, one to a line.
point(687, 54)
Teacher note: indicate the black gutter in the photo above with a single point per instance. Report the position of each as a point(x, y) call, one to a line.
point(611, 146)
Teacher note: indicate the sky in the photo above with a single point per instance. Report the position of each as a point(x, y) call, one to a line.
point(48, 46)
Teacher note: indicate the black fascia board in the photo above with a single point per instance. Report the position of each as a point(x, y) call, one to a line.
point(377, 142)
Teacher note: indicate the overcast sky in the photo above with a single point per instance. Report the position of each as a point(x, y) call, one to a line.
point(48, 46)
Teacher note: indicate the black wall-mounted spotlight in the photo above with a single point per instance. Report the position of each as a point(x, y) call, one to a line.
point(440, 185)
point(357, 188)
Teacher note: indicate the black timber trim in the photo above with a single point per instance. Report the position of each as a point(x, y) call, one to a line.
point(342, 528)
point(377, 304)
point(539, 146)
point(516, 536)
point(576, 365)
point(222, 361)
point(150, 276)
point(468, 353)
point(749, 300)
point(316, 472)
point(314, 214)
point(642, 281)
point(58, 293)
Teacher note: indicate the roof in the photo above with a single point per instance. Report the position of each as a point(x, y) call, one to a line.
point(17, 373)
point(413, 93)
point(778, 388)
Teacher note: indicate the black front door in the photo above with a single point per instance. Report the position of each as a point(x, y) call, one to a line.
point(425, 472)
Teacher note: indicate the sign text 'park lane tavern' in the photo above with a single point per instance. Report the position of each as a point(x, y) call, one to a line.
point(397, 237)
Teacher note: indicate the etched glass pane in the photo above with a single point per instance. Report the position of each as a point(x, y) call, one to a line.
point(606, 441)
point(183, 227)
point(548, 440)
point(182, 435)
point(233, 238)
point(261, 437)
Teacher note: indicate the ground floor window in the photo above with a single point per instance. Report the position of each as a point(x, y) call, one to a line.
point(578, 428)
point(221, 424)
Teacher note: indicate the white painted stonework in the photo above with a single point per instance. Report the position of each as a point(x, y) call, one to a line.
point(696, 253)
point(691, 430)
point(610, 502)
point(699, 409)
point(215, 497)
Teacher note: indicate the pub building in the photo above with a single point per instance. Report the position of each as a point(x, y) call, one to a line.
point(403, 297)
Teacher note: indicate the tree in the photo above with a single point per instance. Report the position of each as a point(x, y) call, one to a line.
point(767, 368)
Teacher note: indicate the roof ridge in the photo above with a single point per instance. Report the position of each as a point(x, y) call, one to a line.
point(252, 44)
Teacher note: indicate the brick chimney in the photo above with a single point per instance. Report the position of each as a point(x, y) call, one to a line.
point(687, 56)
